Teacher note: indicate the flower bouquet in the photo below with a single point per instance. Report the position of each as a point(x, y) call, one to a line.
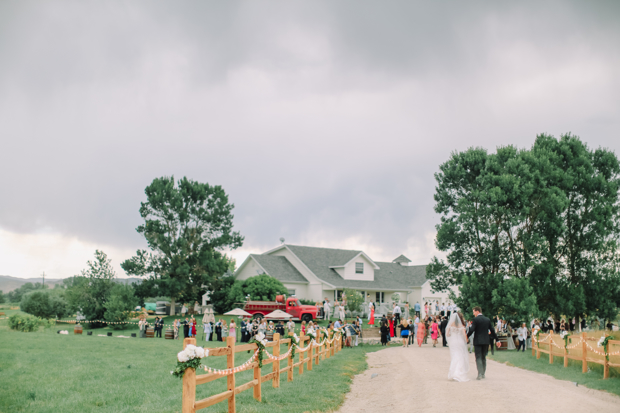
point(189, 358)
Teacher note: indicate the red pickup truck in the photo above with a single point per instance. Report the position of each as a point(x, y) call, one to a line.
point(291, 306)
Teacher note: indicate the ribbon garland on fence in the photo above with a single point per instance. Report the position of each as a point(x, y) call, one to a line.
point(581, 340)
point(246, 365)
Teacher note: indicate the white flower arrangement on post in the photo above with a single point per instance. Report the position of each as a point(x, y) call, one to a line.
point(261, 342)
point(294, 343)
point(189, 358)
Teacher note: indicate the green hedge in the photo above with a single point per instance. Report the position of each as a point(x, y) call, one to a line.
point(28, 323)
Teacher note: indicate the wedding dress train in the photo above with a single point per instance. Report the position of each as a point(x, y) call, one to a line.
point(459, 363)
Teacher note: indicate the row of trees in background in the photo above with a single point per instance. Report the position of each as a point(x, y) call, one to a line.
point(530, 232)
point(95, 293)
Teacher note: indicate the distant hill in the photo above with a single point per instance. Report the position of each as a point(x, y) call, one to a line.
point(8, 283)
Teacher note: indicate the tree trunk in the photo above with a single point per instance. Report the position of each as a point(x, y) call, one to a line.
point(172, 306)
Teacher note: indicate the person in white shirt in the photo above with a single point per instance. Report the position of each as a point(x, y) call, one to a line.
point(290, 326)
point(397, 312)
point(522, 333)
point(327, 309)
point(442, 310)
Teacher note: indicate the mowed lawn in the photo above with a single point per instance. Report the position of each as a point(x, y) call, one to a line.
point(593, 379)
point(49, 372)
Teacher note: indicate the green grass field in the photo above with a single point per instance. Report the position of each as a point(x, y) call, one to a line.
point(48, 372)
point(593, 379)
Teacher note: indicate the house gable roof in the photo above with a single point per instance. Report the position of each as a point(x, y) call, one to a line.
point(279, 267)
point(401, 259)
point(388, 276)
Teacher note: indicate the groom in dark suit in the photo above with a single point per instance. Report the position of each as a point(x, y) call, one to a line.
point(482, 328)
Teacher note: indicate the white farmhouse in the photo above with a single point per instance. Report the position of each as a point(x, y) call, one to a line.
point(317, 273)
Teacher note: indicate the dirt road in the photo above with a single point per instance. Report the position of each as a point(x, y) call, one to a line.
point(415, 380)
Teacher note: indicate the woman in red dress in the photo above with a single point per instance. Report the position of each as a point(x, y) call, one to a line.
point(193, 327)
point(371, 321)
point(391, 326)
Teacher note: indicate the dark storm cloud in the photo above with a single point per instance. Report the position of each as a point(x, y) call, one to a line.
point(317, 117)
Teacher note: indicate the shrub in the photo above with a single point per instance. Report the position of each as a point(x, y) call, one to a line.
point(44, 303)
point(28, 323)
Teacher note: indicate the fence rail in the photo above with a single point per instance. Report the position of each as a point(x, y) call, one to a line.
point(308, 355)
point(577, 344)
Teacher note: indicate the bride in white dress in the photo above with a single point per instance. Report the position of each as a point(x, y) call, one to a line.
point(457, 340)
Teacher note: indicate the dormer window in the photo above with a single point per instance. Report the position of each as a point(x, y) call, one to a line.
point(359, 268)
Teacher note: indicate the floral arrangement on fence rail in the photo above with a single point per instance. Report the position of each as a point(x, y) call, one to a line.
point(189, 358)
point(603, 343)
point(564, 335)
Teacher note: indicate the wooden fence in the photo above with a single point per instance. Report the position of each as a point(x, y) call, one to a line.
point(578, 348)
point(308, 355)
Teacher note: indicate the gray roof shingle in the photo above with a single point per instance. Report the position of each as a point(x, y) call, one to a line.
point(389, 276)
point(279, 267)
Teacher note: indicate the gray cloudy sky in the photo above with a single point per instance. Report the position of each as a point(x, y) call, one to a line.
point(324, 121)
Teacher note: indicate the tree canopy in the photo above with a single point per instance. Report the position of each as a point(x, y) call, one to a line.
point(531, 230)
point(186, 226)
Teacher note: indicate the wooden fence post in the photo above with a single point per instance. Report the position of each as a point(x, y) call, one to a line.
point(189, 383)
point(318, 349)
point(606, 362)
point(310, 351)
point(532, 341)
point(187, 341)
point(258, 386)
point(550, 348)
point(301, 353)
point(189, 391)
point(584, 350)
point(538, 347)
point(230, 364)
point(276, 363)
point(291, 361)
point(328, 346)
point(566, 353)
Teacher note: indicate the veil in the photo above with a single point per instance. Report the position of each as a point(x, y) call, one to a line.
point(455, 328)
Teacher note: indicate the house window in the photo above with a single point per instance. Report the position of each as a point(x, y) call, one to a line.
point(359, 268)
point(379, 297)
point(291, 292)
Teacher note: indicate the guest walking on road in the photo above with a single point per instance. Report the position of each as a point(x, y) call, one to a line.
point(404, 332)
point(421, 333)
point(434, 332)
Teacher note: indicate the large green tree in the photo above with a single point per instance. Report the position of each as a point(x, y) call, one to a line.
point(530, 230)
point(89, 292)
point(187, 227)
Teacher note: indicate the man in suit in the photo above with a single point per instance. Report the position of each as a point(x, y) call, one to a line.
point(482, 328)
point(442, 327)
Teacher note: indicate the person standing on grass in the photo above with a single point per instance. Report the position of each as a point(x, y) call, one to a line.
point(208, 331)
point(142, 324)
point(391, 323)
point(185, 328)
point(193, 327)
point(371, 317)
point(233, 329)
point(341, 311)
point(327, 309)
point(416, 308)
point(522, 335)
point(290, 327)
point(303, 327)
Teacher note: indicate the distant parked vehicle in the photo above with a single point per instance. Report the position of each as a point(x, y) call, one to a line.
point(291, 306)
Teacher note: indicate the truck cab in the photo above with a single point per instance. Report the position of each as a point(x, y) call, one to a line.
point(302, 312)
